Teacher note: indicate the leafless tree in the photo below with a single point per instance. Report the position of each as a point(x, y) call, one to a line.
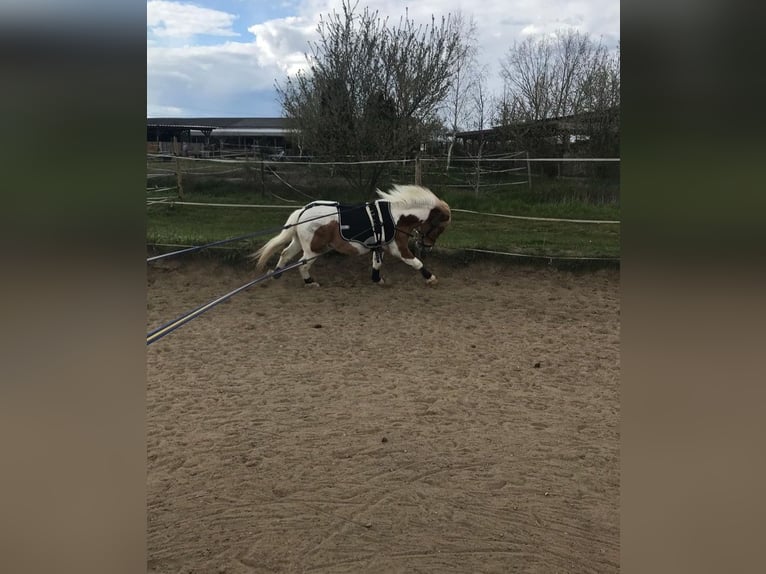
point(561, 75)
point(457, 105)
point(546, 73)
point(601, 100)
point(372, 89)
point(527, 70)
point(480, 104)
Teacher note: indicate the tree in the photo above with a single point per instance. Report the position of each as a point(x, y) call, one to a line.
point(372, 90)
point(562, 75)
point(456, 109)
point(601, 97)
point(480, 104)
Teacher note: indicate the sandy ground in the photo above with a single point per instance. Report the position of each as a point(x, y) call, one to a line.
point(472, 427)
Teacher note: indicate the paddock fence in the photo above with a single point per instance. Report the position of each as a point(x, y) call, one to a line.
point(497, 180)
point(294, 178)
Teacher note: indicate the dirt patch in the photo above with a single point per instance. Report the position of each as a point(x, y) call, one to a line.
point(472, 427)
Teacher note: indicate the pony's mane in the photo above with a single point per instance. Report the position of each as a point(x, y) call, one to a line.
point(410, 195)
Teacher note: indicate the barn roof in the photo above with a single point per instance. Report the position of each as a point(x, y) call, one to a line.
point(220, 126)
point(223, 123)
point(573, 122)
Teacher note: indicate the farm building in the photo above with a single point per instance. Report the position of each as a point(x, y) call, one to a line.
point(591, 134)
point(581, 135)
point(203, 137)
point(564, 134)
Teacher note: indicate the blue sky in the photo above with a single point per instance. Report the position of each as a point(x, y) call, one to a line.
point(213, 58)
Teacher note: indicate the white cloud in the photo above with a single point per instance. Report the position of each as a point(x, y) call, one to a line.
point(213, 70)
point(207, 77)
point(160, 111)
point(177, 20)
point(284, 42)
point(220, 76)
point(530, 30)
point(498, 22)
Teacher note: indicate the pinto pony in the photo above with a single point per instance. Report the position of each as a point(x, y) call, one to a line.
point(383, 225)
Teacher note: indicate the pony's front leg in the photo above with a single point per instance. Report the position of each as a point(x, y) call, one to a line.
point(400, 249)
point(377, 262)
point(417, 264)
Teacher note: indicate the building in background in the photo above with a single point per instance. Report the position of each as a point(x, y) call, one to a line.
point(208, 137)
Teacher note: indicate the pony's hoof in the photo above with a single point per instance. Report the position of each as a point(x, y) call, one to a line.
point(312, 284)
point(431, 281)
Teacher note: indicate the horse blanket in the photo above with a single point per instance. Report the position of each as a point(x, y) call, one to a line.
point(370, 224)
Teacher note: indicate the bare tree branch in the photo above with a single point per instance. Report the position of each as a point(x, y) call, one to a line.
point(373, 90)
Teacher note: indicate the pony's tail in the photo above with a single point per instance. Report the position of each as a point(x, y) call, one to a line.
point(272, 245)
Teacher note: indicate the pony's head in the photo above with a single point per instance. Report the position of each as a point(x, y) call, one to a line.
point(438, 219)
point(415, 196)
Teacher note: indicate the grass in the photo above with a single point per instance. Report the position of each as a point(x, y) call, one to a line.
point(532, 237)
point(193, 225)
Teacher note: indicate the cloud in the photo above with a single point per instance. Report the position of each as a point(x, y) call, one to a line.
point(210, 69)
point(219, 76)
point(530, 30)
point(224, 77)
point(177, 20)
point(284, 42)
point(160, 111)
point(230, 79)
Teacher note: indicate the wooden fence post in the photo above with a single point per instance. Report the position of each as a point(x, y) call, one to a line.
point(179, 179)
point(418, 171)
point(529, 173)
point(263, 180)
point(478, 169)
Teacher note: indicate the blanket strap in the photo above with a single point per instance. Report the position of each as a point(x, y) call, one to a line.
point(377, 224)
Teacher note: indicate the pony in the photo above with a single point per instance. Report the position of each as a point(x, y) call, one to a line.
point(384, 225)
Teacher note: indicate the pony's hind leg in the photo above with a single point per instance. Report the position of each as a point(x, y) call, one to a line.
point(305, 269)
point(287, 253)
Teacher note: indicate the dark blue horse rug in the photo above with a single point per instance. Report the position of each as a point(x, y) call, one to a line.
point(370, 224)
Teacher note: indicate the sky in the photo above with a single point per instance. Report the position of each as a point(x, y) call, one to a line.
point(222, 58)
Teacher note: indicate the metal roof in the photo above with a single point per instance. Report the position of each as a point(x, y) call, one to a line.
point(177, 126)
point(572, 122)
point(221, 123)
point(218, 127)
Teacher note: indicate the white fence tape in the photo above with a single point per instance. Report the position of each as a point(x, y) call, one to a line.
point(524, 217)
point(401, 161)
point(529, 218)
point(232, 205)
point(551, 257)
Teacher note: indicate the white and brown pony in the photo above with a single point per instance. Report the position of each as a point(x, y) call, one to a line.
point(381, 226)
